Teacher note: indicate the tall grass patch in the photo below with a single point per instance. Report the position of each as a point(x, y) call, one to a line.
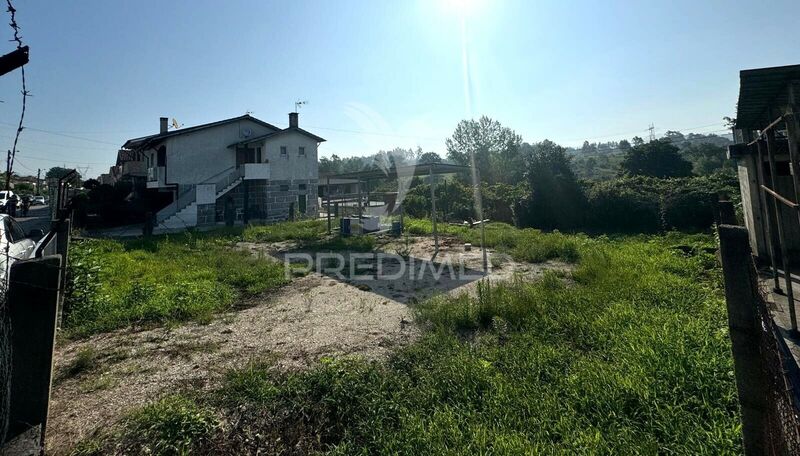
point(113, 284)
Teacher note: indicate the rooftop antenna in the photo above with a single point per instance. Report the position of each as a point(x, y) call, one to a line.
point(299, 103)
point(249, 113)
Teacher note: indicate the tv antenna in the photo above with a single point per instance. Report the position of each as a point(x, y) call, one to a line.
point(299, 103)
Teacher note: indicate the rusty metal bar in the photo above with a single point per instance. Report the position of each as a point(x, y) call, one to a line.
point(780, 198)
point(769, 237)
point(769, 127)
point(787, 274)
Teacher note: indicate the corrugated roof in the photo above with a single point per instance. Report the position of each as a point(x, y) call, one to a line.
point(422, 169)
point(761, 89)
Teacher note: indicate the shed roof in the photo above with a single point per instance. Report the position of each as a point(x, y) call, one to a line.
point(761, 89)
point(422, 169)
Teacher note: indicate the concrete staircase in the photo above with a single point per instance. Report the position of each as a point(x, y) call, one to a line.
point(186, 216)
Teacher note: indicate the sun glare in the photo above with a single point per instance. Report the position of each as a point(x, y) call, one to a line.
point(461, 7)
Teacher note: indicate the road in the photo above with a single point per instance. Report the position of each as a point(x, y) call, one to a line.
point(38, 218)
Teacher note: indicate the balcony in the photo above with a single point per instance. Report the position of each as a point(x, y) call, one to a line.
point(134, 168)
point(155, 177)
point(256, 171)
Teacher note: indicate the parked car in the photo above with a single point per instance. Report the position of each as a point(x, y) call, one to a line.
point(38, 199)
point(19, 245)
point(4, 196)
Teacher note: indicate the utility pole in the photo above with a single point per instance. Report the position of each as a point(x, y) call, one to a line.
point(8, 171)
point(38, 181)
point(652, 129)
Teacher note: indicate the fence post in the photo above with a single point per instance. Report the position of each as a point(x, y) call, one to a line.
point(33, 295)
point(62, 229)
point(741, 297)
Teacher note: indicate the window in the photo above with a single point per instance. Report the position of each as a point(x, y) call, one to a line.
point(258, 155)
point(14, 231)
point(302, 186)
point(284, 188)
point(301, 151)
point(283, 152)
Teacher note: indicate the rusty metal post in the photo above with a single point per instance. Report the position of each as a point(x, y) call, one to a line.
point(770, 238)
point(787, 274)
point(328, 201)
point(433, 210)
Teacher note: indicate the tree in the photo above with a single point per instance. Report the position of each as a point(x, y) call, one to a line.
point(23, 187)
point(429, 157)
point(637, 141)
point(707, 158)
point(496, 149)
point(658, 158)
point(58, 172)
point(557, 199)
point(624, 145)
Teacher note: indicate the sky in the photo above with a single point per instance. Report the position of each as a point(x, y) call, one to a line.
point(380, 74)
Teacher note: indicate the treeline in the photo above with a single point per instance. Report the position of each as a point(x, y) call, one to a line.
point(654, 186)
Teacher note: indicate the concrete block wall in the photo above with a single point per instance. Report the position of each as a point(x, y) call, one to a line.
point(268, 200)
point(206, 214)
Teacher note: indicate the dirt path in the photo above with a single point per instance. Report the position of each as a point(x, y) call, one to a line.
point(316, 315)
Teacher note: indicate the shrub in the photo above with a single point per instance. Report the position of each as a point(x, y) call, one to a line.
point(624, 205)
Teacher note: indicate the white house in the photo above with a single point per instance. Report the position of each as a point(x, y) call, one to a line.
point(265, 172)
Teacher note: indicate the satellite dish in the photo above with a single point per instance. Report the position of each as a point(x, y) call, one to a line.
point(175, 124)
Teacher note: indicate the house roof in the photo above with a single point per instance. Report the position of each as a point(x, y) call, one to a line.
point(276, 133)
point(761, 89)
point(144, 141)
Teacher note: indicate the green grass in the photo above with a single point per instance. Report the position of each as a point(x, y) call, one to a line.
point(528, 244)
point(305, 230)
point(174, 425)
point(629, 354)
point(114, 284)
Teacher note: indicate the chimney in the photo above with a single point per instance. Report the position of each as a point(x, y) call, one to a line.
point(293, 120)
point(163, 122)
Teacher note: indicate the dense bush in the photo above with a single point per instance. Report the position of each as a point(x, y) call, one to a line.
point(628, 205)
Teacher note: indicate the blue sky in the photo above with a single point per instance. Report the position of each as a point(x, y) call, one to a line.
point(382, 74)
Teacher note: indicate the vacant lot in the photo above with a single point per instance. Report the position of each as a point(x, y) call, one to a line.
point(626, 352)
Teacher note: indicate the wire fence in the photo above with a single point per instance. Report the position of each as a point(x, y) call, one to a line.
point(782, 424)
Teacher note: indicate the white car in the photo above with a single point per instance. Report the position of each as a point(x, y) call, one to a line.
point(20, 245)
point(38, 199)
point(4, 196)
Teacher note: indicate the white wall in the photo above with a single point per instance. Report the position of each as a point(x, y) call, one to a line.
point(293, 166)
point(196, 157)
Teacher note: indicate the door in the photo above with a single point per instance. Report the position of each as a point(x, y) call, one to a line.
point(302, 200)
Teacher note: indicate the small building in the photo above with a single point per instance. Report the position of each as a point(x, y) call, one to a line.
point(265, 173)
point(767, 136)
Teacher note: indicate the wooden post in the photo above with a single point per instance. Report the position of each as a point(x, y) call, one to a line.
point(433, 210)
point(793, 138)
point(770, 238)
point(328, 205)
point(741, 298)
point(33, 296)
point(787, 274)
